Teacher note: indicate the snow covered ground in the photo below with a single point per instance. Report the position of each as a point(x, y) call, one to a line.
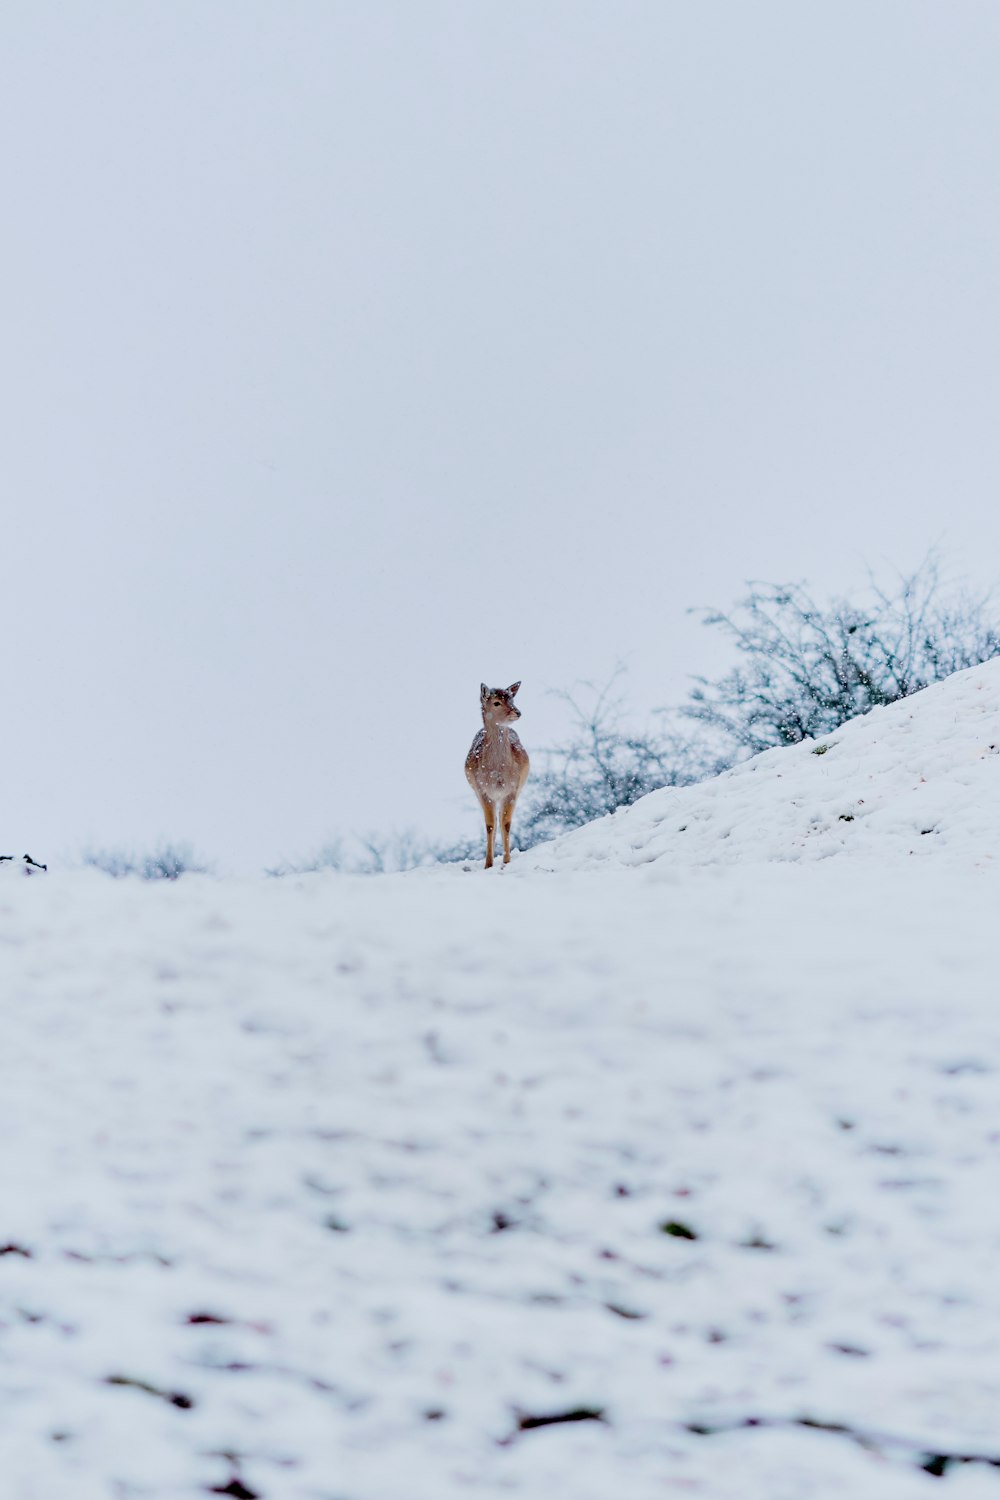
point(336, 1188)
point(917, 778)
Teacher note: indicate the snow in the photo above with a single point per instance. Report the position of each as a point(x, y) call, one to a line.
point(323, 1188)
point(916, 778)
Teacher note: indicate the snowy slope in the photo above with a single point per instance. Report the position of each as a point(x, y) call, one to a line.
point(339, 1188)
point(921, 777)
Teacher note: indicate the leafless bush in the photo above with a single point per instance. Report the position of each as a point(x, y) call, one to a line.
point(385, 854)
point(807, 667)
point(165, 862)
point(329, 856)
point(377, 854)
point(601, 766)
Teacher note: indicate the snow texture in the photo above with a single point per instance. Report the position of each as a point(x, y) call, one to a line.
point(338, 1188)
point(916, 778)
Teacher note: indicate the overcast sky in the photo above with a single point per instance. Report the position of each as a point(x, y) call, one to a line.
point(355, 352)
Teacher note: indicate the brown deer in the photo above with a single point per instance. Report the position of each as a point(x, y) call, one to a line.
point(497, 764)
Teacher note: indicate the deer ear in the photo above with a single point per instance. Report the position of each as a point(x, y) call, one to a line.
point(484, 691)
point(513, 688)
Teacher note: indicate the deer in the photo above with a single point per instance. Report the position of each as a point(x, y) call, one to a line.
point(497, 765)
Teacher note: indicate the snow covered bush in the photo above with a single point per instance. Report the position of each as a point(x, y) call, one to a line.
point(165, 862)
point(384, 854)
point(805, 668)
point(377, 854)
point(600, 767)
point(329, 856)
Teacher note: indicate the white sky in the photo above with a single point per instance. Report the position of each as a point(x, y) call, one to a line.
point(354, 353)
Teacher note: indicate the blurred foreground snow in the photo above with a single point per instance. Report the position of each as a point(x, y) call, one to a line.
point(332, 1187)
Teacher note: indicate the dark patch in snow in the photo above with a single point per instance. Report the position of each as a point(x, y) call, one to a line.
point(528, 1421)
point(677, 1230)
point(117, 1260)
point(175, 1398)
point(883, 1443)
point(937, 1464)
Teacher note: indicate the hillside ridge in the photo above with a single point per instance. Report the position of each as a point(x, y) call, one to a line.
point(917, 778)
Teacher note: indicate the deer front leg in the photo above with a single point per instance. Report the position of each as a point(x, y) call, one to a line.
point(506, 818)
point(490, 814)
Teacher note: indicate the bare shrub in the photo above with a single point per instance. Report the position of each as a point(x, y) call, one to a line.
point(329, 856)
point(165, 862)
point(377, 854)
point(601, 766)
point(805, 668)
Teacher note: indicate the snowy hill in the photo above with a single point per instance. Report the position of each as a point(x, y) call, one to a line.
point(673, 1179)
point(920, 777)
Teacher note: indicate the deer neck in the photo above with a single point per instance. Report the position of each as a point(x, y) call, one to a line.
point(496, 734)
